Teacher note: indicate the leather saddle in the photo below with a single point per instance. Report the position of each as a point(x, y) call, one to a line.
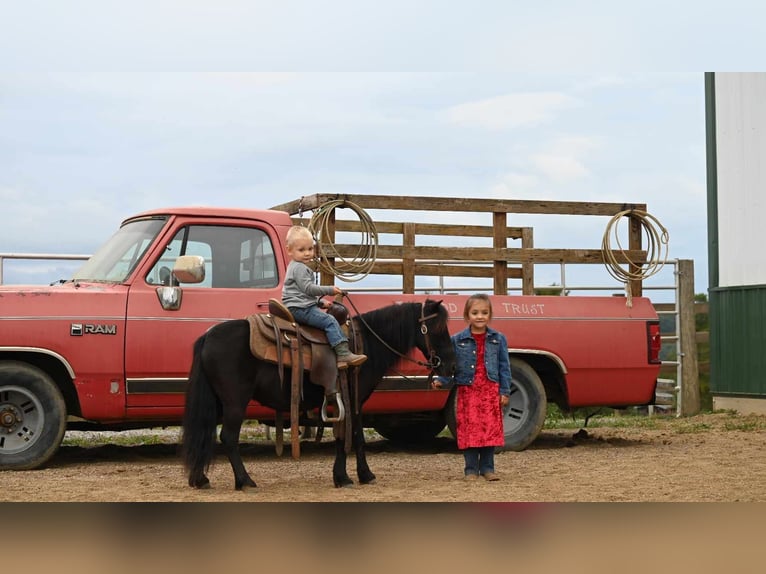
point(276, 337)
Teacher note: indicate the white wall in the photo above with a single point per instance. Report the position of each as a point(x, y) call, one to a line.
point(740, 101)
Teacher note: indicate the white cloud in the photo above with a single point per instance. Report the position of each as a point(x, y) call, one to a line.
point(514, 184)
point(561, 161)
point(574, 145)
point(559, 168)
point(8, 195)
point(511, 110)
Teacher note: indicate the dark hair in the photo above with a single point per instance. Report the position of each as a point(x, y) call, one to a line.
point(472, 299)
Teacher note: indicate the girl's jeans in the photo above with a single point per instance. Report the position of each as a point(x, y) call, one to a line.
point(479, 460)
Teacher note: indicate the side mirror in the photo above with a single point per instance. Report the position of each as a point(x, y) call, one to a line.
point(170, 297)
point(189, 269)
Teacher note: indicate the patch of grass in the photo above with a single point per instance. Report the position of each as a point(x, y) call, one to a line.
point(643, 422)
point(693, 428)
point(721, 420)
point(599, 418)
point(745, 424)
point(90, 439)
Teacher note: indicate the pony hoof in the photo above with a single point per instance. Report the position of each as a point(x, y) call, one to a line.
point(247, 488)
point(203, 484)
point(249, 483)
point(344, 483)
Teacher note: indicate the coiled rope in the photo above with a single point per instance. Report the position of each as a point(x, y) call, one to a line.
point(347, 269)
point(656, 253)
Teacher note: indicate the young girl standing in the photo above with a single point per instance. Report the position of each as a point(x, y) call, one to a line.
point(483, 379)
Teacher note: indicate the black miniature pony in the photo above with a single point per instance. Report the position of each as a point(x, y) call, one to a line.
point(225, 376)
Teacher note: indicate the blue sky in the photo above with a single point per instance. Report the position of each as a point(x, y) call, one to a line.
point(83, 146)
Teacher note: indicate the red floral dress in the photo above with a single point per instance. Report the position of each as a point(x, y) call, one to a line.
point(479, 416)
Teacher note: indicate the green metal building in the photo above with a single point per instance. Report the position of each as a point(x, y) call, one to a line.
point(735, 109)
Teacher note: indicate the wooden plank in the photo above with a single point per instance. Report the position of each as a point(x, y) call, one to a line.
point(408, 271)
point(435, 229)
point(690, 389)
point(432, 229)
point(664, 399)
point(700, 307)
point(513, 255)
point(437, 270)
point(527, 268)
point(459, 204)
point(499, 240)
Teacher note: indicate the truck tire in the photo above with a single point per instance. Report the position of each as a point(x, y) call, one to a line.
point(524, 416)
point(409, 431)
point(32, 416)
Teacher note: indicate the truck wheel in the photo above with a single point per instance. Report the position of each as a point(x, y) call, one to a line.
point(409, 431)
point(32, 416)
point(525, 414)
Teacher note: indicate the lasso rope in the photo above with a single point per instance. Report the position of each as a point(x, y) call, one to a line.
point(657, 250)
point(356, 267)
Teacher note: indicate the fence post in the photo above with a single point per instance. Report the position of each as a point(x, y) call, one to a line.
point(500, 240)
point(690, 388)
point(408, 264)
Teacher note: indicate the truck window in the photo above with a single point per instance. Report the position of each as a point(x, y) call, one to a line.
point(235, 257)
point(115, 260)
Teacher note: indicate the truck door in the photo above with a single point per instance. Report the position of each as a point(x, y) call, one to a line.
point(242, 264)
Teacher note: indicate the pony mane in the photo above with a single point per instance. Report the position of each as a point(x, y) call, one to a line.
point(398, 325)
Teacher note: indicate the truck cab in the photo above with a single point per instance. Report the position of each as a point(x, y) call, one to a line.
point(113, 344)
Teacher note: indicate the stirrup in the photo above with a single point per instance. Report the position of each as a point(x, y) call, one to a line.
point(341, 410)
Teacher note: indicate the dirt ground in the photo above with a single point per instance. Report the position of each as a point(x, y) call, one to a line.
point(713, 457)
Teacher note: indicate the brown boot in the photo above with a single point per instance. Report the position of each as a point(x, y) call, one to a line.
point(346, 358)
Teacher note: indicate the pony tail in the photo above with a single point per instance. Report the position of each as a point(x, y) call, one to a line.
point(199, 420)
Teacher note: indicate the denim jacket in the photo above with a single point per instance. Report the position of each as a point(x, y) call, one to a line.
point(495, 358)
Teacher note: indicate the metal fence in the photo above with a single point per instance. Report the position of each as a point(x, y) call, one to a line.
point(37, 256)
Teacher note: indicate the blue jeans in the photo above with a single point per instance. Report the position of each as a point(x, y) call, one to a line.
point(479, 460)
point(315, 317)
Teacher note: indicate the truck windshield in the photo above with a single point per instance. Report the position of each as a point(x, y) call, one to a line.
point(116, 259)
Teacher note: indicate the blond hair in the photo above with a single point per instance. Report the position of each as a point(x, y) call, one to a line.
point(473, 299)
point(297, 232)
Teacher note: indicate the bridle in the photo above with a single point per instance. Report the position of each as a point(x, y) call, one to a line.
point(434, 361)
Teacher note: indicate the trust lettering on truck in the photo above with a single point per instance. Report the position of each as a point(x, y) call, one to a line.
point(111, 347)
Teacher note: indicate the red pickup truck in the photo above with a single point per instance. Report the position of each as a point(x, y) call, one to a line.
point(111, 347)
